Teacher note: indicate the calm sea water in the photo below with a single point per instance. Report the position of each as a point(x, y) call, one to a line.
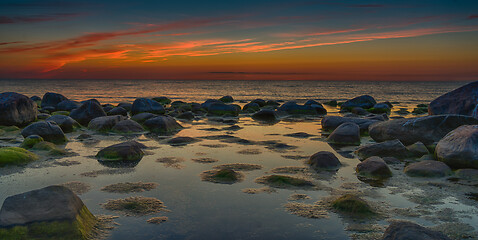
point(114, 91)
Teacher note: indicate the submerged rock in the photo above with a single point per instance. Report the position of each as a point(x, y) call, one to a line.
point(408, 231)
point(16, 109)
point(127, 151)
point(427, 129)
point(427, 168)
point(463, 101)
point(459, 148)
point(347, 133)
point(392, 148)
point(53, 212)
point(162, 125)
point(324, 160)
point(295, 109)
point(352, 204)
point(15, 156)
point(284, 181)
point(49, 131)
point(181, 141)
point(66, 123)
point(373, 167)
point(87, 111)
point(146, 105)
point(222, 175)
point(136, 206)
point(332, 122)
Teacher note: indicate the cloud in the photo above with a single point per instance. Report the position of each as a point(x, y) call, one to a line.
point(6, 43)
point(472, 17)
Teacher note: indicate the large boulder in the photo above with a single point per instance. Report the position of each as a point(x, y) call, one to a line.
point(52, 99)
point(411, 231)
point(427, 168)
point(428, 129)
point(373, 167)
point(251, 107)
point(463, 101)
point(87, 111)
point(332, 122)
point(364, 102)
point(162, 125)
point(67, 105)
point(146, 105)
point(127, 126)
point(142, 117)
point(266, 115)
point(347, 133)
point(126, 151)
point(105, 123)
point(324, 160)
point(66, 123)
point(117, 111)
point(459, 148)
point(49, 131)
point(16, 109)
point(392, 148)
point(53, 212)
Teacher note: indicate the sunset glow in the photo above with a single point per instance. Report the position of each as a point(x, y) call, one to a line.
point(279, 40)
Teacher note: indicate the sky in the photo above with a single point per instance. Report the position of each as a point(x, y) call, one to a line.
point(426, 40)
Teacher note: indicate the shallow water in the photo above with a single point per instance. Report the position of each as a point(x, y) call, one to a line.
point(204, 210)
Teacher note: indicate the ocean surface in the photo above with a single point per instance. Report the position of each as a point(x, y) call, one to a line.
point(115, 91)
point(249, 209)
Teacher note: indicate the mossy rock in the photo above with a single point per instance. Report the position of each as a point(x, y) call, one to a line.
point(127, 151)
point(284, 181)
point(30, 141)
point(50, 147)
point(379, 110)
point(224, 175)
point(352, 204)
point(15, 156)
point(162, 100)
point(9, 128)
point(80, 229)
point(2, 132)
point(64, 113)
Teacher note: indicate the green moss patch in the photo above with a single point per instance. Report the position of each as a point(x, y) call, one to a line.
point(352, 204)
point(204, 160)
point(128, 187)
point(225, 176)
point(136, 206)
point(239, 166)
point(81, 228)
point(50, 147)
point(30, 141)
point(172, 162)
point(16, 156)
point(9, 128)
point(157, 220)
point(306, 210)
point(284, 181)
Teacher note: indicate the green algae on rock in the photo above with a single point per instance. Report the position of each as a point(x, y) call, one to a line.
point(136, 206)
point(352, 204)
point(128, 187)
point(15, 156)
point(157, 220)
point(239, 166)
point(222, 175)
point(284, 181)
point(31, 140)
point(50, 147)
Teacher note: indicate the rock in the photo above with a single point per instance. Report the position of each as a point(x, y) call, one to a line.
point(418, 149)
point(162, 125)
point(380, 108)
point(50, 147)
point(459, 148)
point(125, 105)
point(226, 99)
point(48, 109)
point(251, 107)
point(332, 122)
point(53, 212)
point(186, 116)
point(49, 131)
point(409, 231)
point(420, 110)
point(392, 148)
point(146, 105)
point(66, 123)
point(31, 140)
point(52, 100)
point(15, 156)
point(463, 101)
point(266, 115)
point(352, 204)
point(373, 167)
point(272, 103)
point(292, 107)
point(43, 116)
point(103, 124)
point(359, 111)
point(16, 109)
point(364, 102)
point(36, 98)
point(142, 117)
point(67, 105)
point(92, 100)
point(259, 102)
point(348, 133)
point(162, 100)
point(391, 160)
point(324, 160)
point(127, 126)
point(427, 168)
point(180, 141)
point(117, 111)
point(127, 151)
point(427, 129)
point(379, 117)
point(467, 174)
point(87, 111)
point(220, 109)
point(107, 109)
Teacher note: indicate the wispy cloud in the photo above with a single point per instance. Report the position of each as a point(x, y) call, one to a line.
point(475, 16)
